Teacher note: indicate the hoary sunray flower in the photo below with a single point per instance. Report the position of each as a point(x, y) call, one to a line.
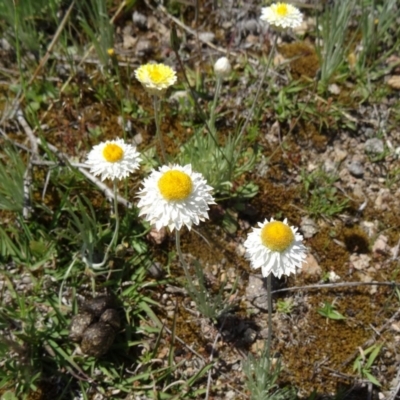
point(156, 78)
point(282, 15)
point(175, 196)
point(113, 159)
point(275, 247)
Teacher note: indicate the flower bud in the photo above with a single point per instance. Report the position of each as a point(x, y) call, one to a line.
point(222, 67)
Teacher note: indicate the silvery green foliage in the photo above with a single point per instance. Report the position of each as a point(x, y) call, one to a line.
point(261, 375)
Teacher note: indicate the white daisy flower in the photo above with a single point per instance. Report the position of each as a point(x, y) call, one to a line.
point(113, 159)
point(175, 196)
point(275, 247)
point(282, 15)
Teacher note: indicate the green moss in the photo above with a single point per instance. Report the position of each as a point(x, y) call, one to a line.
point(304, 60)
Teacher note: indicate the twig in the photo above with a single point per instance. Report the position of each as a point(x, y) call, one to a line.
point(28, 131)
point(27, 180)
point(337, 285)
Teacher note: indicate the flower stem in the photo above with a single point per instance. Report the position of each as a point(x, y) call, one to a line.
point(251, 112)
point(116, 230)
point(183, 262)
point(211, 122)
point(157, 117)
point(269, 300)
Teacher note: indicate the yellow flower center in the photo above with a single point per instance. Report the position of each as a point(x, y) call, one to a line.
point(112, 152)
point(282, 9)
point(157, 74)
point(277, 236)
point(175, 185)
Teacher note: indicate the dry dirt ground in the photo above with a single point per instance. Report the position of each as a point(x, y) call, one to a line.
point(356, 139)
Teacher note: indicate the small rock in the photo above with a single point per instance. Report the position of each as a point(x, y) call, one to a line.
point(374, 146)
point(356, 169)
point(143, 47)
point(240, 250)
point(334, 89)
point(359, 261)
point(251, 26)
point(308, 227)
point(157, 236)
point(381, 245)
point(140, 20)
point(4, 44)
point(256, 292)
point(369, 228)
point(310, 266)
point(369, 132)
point(333, 277)
point(230, 395)
point(394, 82)
point(340, 155)
point(329, 166)
point(137, 139)
point(206, 36)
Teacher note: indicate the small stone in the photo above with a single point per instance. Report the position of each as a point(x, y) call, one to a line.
point(140, 20)
point(333, 277)
point(340, 155)
point(374, 146)
point(369, 132)
point(156, 270)
point(4, 44)
point(206, 36)
point(308, 227)
point(370, 228)
point(394, 82)
point(360, 261)
point(356, 169)
point(310, 266)
point(137, 139)
point(231, 395)
point(251, 26)
point(381, 245)
point(256, 292)
point(240, 250)
point(334, 89)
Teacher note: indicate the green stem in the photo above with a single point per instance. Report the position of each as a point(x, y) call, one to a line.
point(251, 112)
point(157, 117)
point(213, 116)
point(116, 230)
point(269, 300)
point(180, 255)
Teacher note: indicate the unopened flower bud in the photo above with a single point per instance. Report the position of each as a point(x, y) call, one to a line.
point(222, 67)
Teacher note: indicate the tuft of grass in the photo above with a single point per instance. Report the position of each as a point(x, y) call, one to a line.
point(334, 39)
point(321, 196)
